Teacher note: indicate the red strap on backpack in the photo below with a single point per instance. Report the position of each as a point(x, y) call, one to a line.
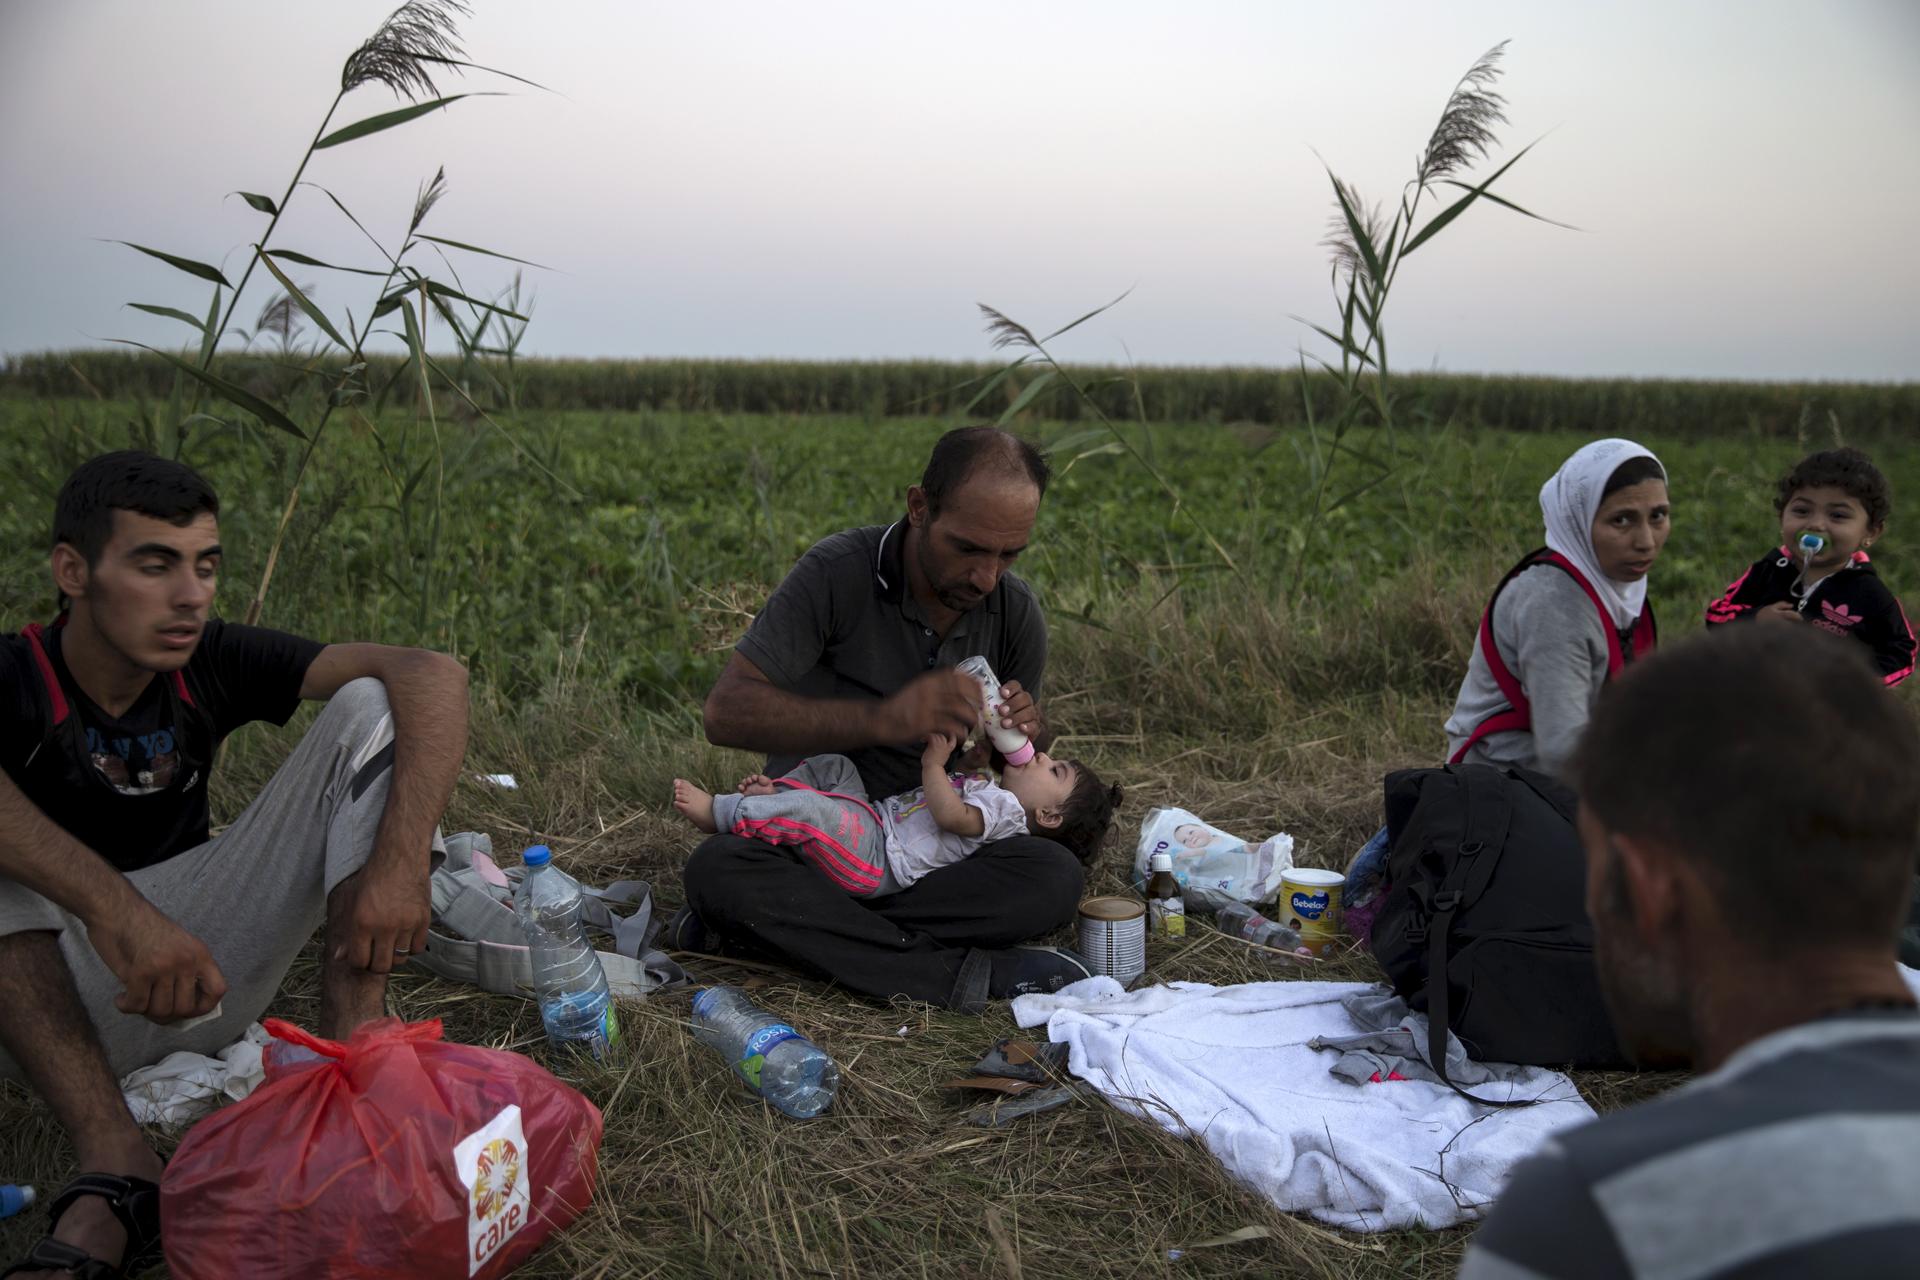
point(36, 636)
point(1519, 712)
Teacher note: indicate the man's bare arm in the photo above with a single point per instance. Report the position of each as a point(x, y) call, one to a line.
point(748, 711)
point(167, 972)
point(427, 693)
point(35, 851)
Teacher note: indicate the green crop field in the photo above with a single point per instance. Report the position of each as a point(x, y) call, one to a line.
point(903, 388)
point(1222, 639)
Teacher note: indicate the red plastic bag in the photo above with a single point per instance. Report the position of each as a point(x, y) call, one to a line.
point(393, 1155)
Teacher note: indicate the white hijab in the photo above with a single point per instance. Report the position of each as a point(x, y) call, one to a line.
point(1570, 499)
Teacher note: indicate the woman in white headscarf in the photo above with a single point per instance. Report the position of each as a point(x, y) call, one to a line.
point(1562, 622)
point(1569, 616)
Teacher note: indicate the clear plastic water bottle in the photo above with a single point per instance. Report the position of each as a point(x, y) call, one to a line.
point(13, 1199)
point(1242, 921)
point(567, 979)
point(777, 1062)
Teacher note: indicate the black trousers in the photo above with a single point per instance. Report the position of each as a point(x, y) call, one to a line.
point(916, 943)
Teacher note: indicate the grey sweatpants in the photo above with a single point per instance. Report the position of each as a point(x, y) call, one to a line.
point(820, 809)
point(255, 893)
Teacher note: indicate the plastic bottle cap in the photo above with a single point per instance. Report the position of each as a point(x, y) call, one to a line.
point(1163, 862)
point(537, 856)
point(1021, 754)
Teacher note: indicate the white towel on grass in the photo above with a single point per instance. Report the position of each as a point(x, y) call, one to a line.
point(1231, 1066)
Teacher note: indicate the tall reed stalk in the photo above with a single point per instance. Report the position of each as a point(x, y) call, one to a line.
point(404, 54)
point(1368, 251)
point(1006, 332)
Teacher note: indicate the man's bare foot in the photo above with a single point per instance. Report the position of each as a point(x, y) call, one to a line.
point(756, 784)
point(88, 1224)
point(695, 805)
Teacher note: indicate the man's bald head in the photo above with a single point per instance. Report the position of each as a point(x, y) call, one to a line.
point(980, 453)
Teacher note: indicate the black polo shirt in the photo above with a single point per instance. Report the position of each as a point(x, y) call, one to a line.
point(842, 624)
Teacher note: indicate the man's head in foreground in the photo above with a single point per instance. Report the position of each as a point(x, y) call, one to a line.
point(1750, 807)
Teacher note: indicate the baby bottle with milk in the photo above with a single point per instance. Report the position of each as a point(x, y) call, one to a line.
point(1008, 741)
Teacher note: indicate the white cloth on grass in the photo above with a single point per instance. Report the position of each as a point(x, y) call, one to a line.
point(184, 1086)
point(1231, 1066)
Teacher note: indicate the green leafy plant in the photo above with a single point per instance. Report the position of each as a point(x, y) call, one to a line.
point(1368, 250)
point(1005, 333)
point(404, 55)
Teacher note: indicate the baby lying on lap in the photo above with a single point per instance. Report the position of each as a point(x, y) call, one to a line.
point(870, 848)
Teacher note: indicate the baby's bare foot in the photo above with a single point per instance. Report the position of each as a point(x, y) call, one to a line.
point(756, 784)
point(695, 805)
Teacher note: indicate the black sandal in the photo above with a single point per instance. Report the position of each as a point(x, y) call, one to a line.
point(134, 1201)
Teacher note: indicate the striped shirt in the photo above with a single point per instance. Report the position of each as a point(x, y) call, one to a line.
point(1800, 1157)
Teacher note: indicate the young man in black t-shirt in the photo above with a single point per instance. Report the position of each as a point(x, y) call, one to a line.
point(126, 932)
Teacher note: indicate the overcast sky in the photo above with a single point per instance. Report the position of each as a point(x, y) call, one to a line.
point(828, 180)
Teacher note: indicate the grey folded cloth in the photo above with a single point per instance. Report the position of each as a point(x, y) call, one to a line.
point(1396, 1046)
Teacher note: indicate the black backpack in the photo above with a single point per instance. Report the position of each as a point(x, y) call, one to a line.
point(1485, 926)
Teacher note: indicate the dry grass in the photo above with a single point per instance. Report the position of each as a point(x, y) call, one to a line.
point(1263, 723)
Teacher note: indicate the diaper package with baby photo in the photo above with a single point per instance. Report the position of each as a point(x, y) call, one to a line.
point(1214, 867)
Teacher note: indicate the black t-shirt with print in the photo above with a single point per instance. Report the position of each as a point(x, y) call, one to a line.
point(133, 787)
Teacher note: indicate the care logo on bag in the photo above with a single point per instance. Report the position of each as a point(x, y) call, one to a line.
point(492, 1164)
point(1309, 906)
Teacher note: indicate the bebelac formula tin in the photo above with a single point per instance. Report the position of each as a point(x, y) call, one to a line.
point(1310, 904)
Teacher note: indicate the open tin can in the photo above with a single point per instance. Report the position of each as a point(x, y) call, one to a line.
point(1113, 937)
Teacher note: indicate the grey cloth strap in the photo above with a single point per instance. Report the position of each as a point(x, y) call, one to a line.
point(476, 937)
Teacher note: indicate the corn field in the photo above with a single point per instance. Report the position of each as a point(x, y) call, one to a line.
point(928, 388)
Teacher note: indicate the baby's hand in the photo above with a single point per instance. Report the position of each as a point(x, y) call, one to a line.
point(939, 748)
point(977, 758)
point(1780, 611)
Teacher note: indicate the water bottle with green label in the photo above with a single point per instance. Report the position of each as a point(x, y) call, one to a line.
point(774, 1060)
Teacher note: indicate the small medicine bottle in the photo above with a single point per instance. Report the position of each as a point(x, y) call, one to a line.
point(1166, 908)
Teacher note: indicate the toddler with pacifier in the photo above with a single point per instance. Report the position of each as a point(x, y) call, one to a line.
point(1832, 505)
